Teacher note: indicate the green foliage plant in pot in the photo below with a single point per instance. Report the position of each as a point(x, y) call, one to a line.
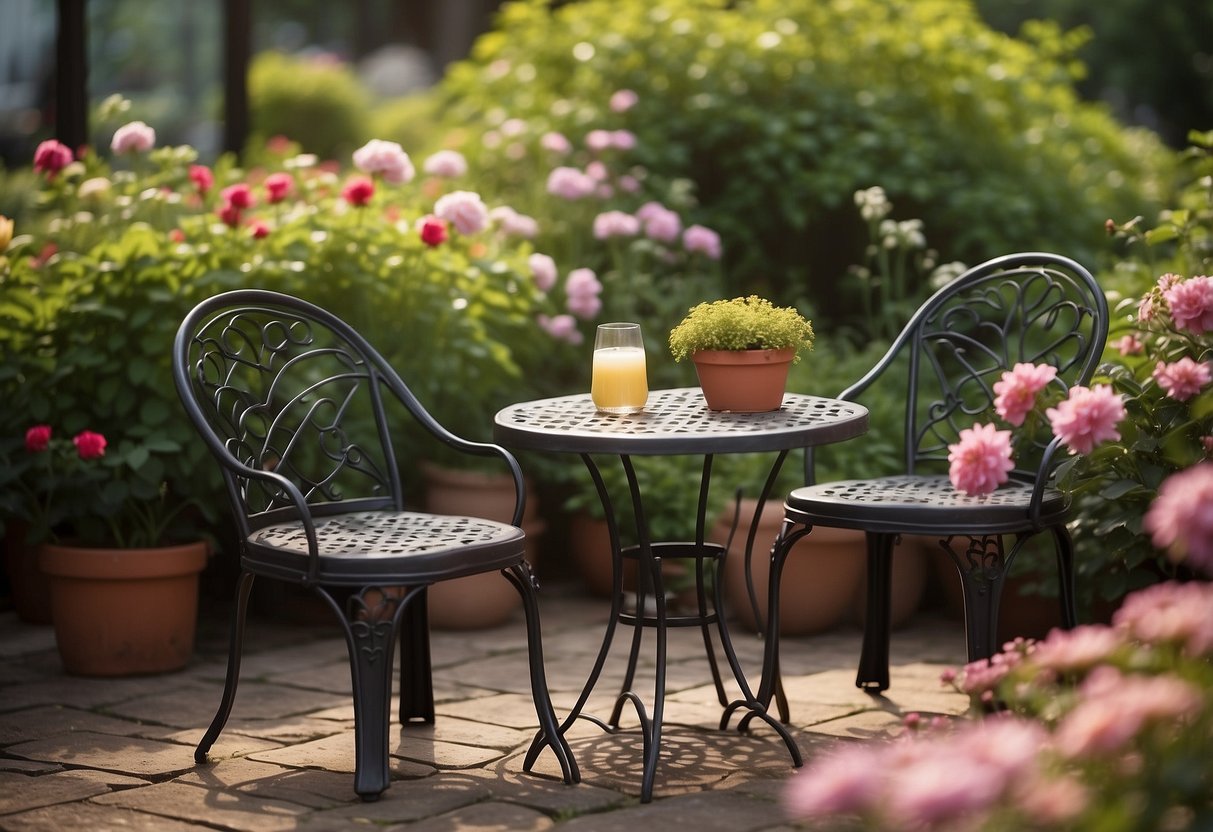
point(742, 349)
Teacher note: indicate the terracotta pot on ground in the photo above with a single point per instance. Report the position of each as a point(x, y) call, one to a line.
point(122, 612)
point(488, 599)
point(30, 587)
point(743, 381)
point(820, 575)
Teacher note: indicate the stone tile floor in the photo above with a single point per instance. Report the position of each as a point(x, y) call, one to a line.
point(102, 754)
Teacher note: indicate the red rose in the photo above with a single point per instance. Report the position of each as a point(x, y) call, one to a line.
point(38, 438)
point(202, 177)
point(230, 214)
point(239, 196)
point(89, 445)
point(259, 229)
point(433, 232)
point(278, 186)
point(358, 191)
point(51, 157)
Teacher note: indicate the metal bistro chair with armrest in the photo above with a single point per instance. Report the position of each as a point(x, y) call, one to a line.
point(1029, 307)
point(291, 401)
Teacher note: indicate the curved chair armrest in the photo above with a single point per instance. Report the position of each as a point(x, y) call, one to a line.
point(1044, 477)
point(302, 512)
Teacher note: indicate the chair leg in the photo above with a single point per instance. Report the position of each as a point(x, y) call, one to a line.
point(1065, 576)
point(416, 669)
point(873, 674)
point(236, 644)
point(981, 585)
point(523, 579)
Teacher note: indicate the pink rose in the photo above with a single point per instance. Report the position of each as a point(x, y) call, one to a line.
point(278, 186)
point(623, 100)
point(1130, 345)
point(560, 327)
point(358, 191)
point(584, 306)
point(623, 139)
point(1191, 303)
point(259, 229)
point(239, 196)
point(51, 156)
point(229, 214)
point(433, 231)
point(1180, 520)
point(980, 461)
point(448, 164)
point(662, 225)
point(1182, 379)
point(1087, 417)
point(570, 183)
point(202, 178)
point(543, 268)
point(135, 137)
point(38, 438)
point(615, 224)
point(1015, 392)
point(705, 241)
point(582, 283)
point(89, 445)
point(555, 143)
point(599, 140)
point(385, 159)
point(513, 224)
point(464, 210)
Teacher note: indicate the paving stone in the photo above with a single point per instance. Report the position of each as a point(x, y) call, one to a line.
point(468, 732)
point(19, 792)
point(404, 802)
point(86, 693)
point(93, 817)
point(284, 730)
point(334, 753)
point(545, 793)
point(229, 744)
point(22, 638)
point(701, 811)
point(28, 766)
point(229, 774)
point(311, 788)
point(444, 754)
point(225, 809)
point(485, 817)
point(129, 755)
point(509, 709)
point(195, 705)
point(51, 720)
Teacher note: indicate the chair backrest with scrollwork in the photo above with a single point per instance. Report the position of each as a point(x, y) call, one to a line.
point(1031, 307)
point(283, 391)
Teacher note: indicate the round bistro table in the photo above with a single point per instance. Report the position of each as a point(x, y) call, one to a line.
point(673, 422)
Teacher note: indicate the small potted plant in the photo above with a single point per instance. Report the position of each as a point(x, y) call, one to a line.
point(742, 349)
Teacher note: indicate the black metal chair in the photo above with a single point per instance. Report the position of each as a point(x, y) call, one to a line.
point(291, 401)
point(1030, 307)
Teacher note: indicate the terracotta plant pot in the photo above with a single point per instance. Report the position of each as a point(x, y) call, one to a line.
point(743, 381)
point(123, 612)
point(820, 576)
point(486, 600)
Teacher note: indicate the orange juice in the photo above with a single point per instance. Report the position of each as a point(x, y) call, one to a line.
point(620, 383)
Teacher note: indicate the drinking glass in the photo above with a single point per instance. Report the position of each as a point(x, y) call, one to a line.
point(620, 383)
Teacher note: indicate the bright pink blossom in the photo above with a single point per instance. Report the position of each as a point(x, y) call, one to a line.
point(623, 100)
point(202, 178)
point(845, 780)
point(615, 224)
point(38, 438)
point(89, 445)
point(1087, 417)
point(980, 461)
point(239, 196)
point(570, 183)
point(358, 191)
point(52, 156)
point(1081, 648)
point(432, 230)
point(278, 186)
point(135, 137)
point(449, 164)
point(1015, 393)
point(1170, 613)
point(1180, 519)
point(1191, 304)
point(702, 240)
point(1182, 379)
point(229, 214)
point(385, 159)
point(543, 268)
point(464, 210)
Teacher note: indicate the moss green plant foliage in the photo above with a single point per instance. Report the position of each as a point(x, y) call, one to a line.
point(749, 323)
point(777, 111)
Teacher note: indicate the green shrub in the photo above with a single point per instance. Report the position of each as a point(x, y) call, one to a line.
point(777, 111)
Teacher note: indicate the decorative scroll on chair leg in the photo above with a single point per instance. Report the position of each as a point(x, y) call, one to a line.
point(235, 646)
point(873, 674)
point(523, 580)
point(416, 670)
point(1065, 576)
point(982, 572)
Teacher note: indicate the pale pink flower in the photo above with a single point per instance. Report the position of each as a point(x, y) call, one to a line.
point(1051, 799)
point(1206, 442)
point(1087, 417)
point(623, 139)
point(584, 306)
point(1180, 519)
point(1130, 345)
point(1191, 303)
point(1168, 280)
point(1170, 613)
point(980, 460)
point(984, 675)
point(1182, 379)
point(844, 780)
point(464, 210)
point(555, 143)
point(629, 184)
point(604, 191)
point(597, 171)
point(615, 224)
point(623, 100)
point(703, 240)
point(1015, 393)
point(1146, 308)
point(512, 127)
point(649, 209)
point(513, 224)
point(1078, 649)
point(599, 140)
point(135, 137)
point(386, 159)
point(662, 225)
point(582, 283)
point(448, 164)
point(570, 183)
point(560, 327)
point(543, 268)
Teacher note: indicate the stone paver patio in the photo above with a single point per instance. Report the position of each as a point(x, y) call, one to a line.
point(118, 754)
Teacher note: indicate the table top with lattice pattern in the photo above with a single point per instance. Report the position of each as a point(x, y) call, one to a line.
point(676, 422)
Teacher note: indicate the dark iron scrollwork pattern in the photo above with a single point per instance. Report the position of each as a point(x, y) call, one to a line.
point(1036, 314)
point(293, 423)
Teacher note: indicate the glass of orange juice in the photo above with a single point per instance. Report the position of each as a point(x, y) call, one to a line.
point(620, 382)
